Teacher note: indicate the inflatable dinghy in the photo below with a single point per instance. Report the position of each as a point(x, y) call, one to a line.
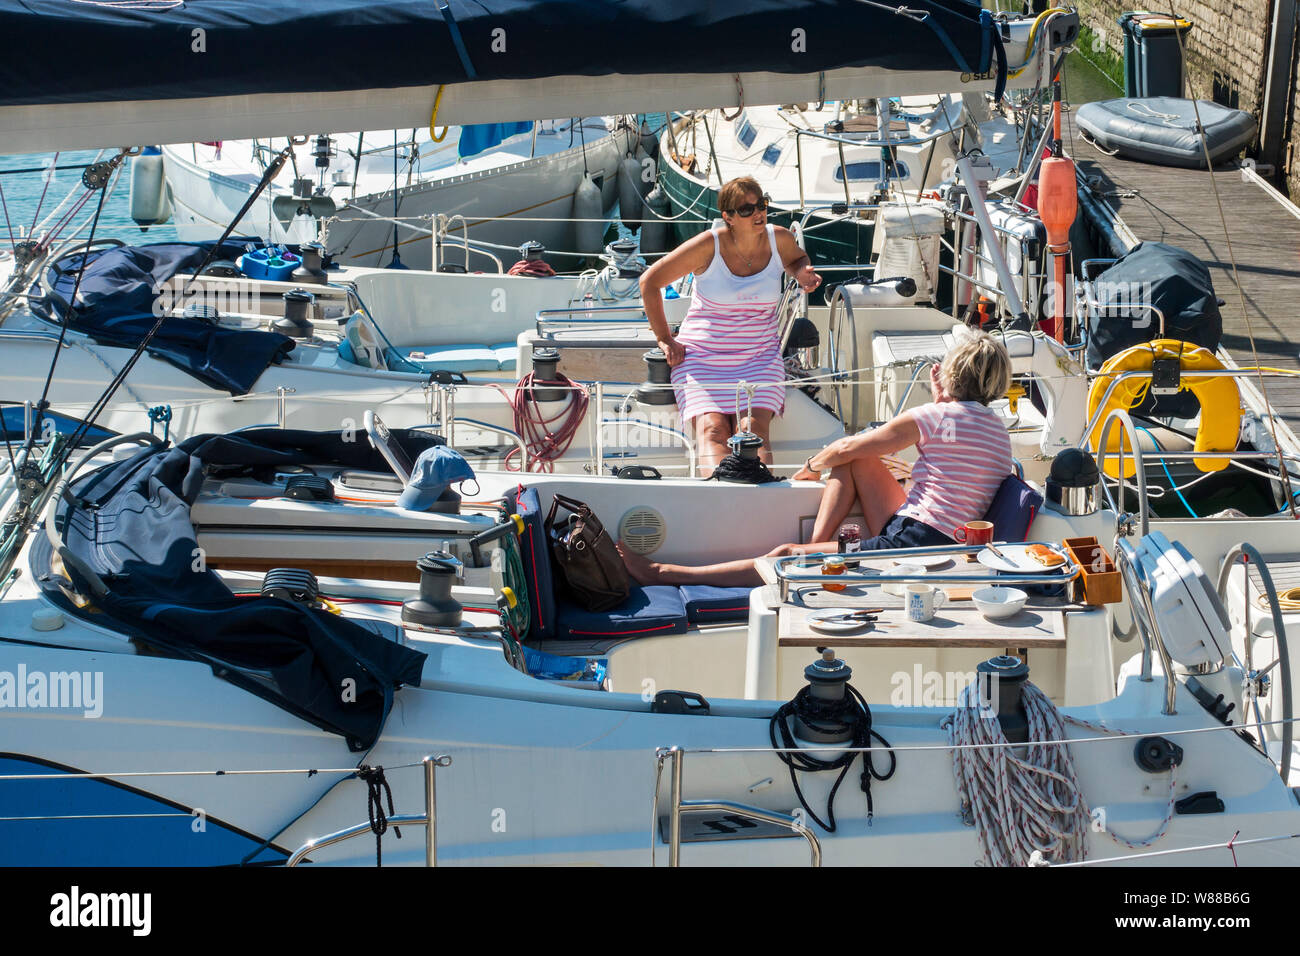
point(1162, 129)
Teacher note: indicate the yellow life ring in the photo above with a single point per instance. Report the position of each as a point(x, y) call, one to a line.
point(1220, 401)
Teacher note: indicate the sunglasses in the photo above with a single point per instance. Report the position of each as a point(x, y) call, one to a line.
point(747, 210)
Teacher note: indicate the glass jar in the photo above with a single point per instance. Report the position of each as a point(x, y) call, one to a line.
point(850, 539)
point(833, 565)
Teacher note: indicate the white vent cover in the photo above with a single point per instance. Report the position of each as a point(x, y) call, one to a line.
point(643, 528)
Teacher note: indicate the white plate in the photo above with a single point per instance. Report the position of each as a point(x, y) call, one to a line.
point(925, 560)
point(823, 620)
point(1019, 561)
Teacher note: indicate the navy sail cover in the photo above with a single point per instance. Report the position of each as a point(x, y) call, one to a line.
point(130, 525)
point(231, 47)
point(115, 306)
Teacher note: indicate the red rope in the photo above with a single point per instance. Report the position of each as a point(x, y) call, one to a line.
point(531, 267)
point(547, 439)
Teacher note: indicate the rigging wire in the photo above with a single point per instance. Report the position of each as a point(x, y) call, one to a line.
point(30, 440)
point(49, 177)
point(1236, 278)
point(4, 206)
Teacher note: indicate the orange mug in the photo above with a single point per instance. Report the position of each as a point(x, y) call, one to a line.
point(974, 532)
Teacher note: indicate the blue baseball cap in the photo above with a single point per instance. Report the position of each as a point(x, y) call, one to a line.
point(436, 470)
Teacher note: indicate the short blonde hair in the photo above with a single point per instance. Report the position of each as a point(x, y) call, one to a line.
point(976, 369)
point(736, 193)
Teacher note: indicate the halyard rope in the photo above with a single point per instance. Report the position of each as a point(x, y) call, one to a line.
point(1026, 809)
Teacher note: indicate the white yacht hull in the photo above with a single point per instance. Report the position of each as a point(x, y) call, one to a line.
point(506, 204)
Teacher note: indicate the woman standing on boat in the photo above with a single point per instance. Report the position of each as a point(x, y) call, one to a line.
point(730, 331)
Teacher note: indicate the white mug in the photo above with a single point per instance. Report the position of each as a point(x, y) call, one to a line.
point(923, 600)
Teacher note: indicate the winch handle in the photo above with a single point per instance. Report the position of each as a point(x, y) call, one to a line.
point(511, 523)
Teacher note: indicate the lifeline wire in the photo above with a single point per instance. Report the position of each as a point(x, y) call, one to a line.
point(1236, 278)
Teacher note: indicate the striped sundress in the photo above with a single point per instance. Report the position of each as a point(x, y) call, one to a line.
point(730, 335)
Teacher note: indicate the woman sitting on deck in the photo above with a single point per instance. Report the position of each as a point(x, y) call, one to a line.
point(963, 456)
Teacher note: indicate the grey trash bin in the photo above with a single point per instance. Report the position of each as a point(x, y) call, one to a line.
point(1153, 56)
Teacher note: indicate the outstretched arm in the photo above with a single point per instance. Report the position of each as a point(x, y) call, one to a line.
point(893, 436)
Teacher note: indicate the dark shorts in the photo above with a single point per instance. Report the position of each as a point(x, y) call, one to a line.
point(903, 532)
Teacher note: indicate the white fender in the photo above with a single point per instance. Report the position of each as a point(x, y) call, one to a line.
point(587, 205)
point(150, 200)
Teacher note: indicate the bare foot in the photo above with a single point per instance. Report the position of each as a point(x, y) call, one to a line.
point(641, 568)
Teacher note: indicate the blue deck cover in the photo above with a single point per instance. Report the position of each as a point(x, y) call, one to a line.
point(129, 524)
point(116, 307)
point(235, 47)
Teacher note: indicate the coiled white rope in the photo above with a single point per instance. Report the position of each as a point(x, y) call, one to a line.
point(1027, 811)
point(1022, 808)
point(602, 284)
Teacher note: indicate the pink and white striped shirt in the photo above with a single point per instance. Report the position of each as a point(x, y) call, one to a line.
point(965, 454)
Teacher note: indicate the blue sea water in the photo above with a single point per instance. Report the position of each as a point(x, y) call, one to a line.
point(25, 207)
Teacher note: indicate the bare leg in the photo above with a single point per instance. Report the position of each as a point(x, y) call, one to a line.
point(712, 429)
point(879, 492)
point(760, 423)
point(734, 574)
point(837, 503)
point(728, 574)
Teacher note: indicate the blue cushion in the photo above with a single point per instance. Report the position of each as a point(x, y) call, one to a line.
point(657, 609)
point(453, 358)
point(1012, 510)
point(507, 355)
point(706, 604)
point(537, 563)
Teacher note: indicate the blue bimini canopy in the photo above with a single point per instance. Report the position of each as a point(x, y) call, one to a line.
point(115, 306)
point(128, 529)
point(209, 48)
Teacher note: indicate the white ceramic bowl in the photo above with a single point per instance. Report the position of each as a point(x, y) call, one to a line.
point(898, 570)
point(998, 602)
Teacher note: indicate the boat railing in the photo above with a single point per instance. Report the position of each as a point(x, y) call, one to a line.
point(580, 315)
point(1121, 418)
point(878, 142)
point(507, 433)
point(598, 451)
point(676, 756)
point(968, 225)
point(478, 246)
point(428, 819)
point(1091, 269)
point(33, 335)
point(788, 576)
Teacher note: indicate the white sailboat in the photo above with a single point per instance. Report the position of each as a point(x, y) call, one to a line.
point(384, 188)
point(161, 578)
